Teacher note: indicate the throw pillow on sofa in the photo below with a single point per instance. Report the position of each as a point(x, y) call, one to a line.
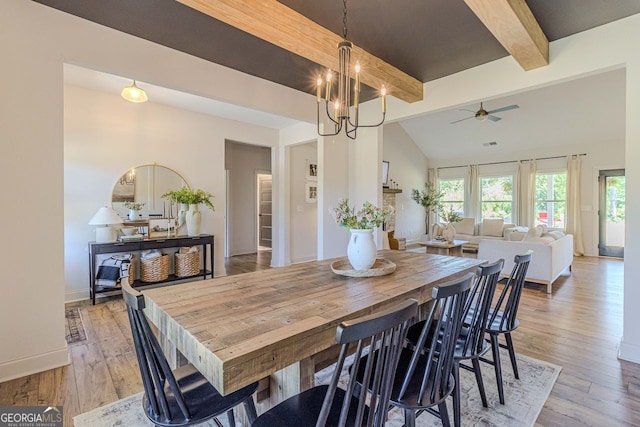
point(465, 226)
point(555, 234)
point(492, 227)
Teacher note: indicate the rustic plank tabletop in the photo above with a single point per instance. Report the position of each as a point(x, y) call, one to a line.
point(242, 328)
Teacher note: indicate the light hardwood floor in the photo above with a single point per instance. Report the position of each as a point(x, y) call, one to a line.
point(577, 327)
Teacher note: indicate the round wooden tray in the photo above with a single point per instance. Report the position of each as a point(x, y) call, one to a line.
point(379, 268)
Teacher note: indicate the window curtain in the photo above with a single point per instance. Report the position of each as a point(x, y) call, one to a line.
point(472, 193)
point(526, 187)
point(574, 203)
point(432, 178)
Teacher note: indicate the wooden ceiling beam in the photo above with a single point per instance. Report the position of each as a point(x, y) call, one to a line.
point(515, 27)
point(276, 23)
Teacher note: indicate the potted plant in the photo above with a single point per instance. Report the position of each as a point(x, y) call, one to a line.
point(192, 217)
point(361, 250)
point(451, 217)
point(133, 209)
point(189, 197)
point(429, 199)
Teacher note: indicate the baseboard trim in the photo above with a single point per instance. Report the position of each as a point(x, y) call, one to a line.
point(303, 259)
point(76, 296)
point(629, 352)
point(34, 364)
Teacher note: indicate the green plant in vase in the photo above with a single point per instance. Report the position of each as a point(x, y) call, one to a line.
point(133, 209)
point(192, 217)
point(429, 199)
point(190, 197)
point(451, 217)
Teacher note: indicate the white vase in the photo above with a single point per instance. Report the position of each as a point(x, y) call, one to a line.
point(132, 214)
point(449, 233)
point(193, 218)
point(361, 250)
point(182, 214)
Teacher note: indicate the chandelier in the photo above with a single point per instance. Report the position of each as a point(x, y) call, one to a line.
point(342, 112)
point(128, 178)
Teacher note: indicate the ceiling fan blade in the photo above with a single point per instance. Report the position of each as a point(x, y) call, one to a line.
point(466, 118)
point(499, 110)
point(465, 109)
point(493, 118)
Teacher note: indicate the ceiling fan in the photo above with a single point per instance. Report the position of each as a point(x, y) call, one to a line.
point(483, 114)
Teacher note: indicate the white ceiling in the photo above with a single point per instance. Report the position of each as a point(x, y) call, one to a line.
point(588, 110)
point(97, 80)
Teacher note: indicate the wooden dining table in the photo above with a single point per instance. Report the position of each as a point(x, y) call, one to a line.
point(270, 323)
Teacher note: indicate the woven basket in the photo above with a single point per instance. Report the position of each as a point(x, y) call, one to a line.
point(187, 264)
point(154, 269)
point(132, 271)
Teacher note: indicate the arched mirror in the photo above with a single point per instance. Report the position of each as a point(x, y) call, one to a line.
point(145, 184)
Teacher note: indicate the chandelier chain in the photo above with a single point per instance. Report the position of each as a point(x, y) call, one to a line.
point(344, 20)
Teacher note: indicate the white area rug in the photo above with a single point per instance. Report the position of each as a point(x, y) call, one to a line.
point(524, 400)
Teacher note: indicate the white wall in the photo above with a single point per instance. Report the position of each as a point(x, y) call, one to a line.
point(244, 162)
point(104, 136)
point(333, 184)
point(31, 307)
point(407, 167)
point(304, 215)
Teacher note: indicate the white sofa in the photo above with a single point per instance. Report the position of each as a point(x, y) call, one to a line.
point(495, 229)
point(548, 261)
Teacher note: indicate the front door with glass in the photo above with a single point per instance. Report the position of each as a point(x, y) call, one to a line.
point(612, 212)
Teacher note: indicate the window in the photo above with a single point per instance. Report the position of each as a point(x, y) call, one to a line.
point(551, 193)
point(496, 197)
point(453, 194)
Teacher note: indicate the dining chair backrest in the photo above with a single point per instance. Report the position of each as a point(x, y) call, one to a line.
point(154, 368)
point(383, 334)
point(442, 328)
point(477, 306)
point(509, 300)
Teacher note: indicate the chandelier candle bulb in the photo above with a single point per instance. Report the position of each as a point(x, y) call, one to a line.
point(319, 91)
point(328, 95)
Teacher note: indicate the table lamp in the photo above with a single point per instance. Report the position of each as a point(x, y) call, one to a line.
point(105, 217)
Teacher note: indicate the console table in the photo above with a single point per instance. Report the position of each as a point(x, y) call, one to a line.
point(96, 249)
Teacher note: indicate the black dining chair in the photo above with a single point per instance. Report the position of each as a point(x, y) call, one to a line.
point(502, 318)
point(331, 405)
point(424, 377)
point(180, 397)
point(470, 343)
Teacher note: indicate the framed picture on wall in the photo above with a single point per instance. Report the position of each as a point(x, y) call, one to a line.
point(311, 173)
point(311, 192)
point(158, 227)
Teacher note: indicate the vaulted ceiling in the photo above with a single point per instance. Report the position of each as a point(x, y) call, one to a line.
point(421, 39)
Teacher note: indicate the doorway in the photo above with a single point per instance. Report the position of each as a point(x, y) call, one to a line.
point(264, 211)
point(611, 212)
point(244, 162)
